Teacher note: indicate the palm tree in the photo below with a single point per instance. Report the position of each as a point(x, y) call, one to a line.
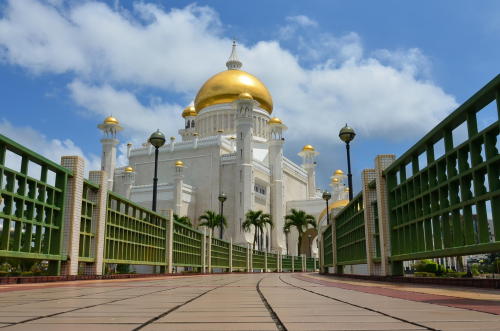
point(183, 220)
point(300, 220)
point(258, 219)
point(212, 220)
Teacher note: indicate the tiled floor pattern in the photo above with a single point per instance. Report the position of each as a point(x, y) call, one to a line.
point(227, 302)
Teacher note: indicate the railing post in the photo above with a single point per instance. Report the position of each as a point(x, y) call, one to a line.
point(369, 195)
point(231, 255)
point(334, 248)
point(265, 261)
point(248, 257)
point(99, 219)
point(210, 251)
point(293, 263)
point(303, 263)
point(204, 251)
point(314, 261)
point(280, 265)
point(72, 214)
point(170, 234)
point(381, 163)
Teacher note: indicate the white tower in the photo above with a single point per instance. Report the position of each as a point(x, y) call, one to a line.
point(276, 140)
point(110, 127)
point(244, 170)
point(179, 182)
point(189, 115)
point(308, 155)
point(128, 180)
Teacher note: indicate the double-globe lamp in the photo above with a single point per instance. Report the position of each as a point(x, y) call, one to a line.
point(347, 135)
point(157, 139)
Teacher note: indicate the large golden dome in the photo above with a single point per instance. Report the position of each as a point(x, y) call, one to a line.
point(226, 86)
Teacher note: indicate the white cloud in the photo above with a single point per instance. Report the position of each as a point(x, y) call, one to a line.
point(52, 149)
point(138, 119)
point(388, 94)
point(302, 20)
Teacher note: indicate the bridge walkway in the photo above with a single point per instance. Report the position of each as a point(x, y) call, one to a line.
point(263, 301)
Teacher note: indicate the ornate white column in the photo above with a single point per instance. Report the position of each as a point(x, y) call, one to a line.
point(244, 173)
point(110, 127)
point(308, 154)
point(179, 182)
point(276, 140)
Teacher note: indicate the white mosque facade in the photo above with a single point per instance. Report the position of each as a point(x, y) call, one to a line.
point(230, 144)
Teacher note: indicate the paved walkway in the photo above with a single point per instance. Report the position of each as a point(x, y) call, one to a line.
point(245, 302)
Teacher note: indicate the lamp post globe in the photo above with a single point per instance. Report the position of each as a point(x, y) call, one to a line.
point(157, 139)
point(347, 135)
point(327, 196)
point(222, 197)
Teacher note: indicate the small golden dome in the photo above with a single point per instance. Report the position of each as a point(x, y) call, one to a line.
point(308, 148)
point(111, 120)
point(275, 120)
point(335, 180)
point(338, 172)
point(346, 189)
point(179, 163)
point(226, 87)
point(129, 169)
point(189, 111)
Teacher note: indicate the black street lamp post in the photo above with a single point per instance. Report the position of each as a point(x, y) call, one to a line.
point(157, 139)
point(326, 196)
point(222, 198)
point(347, 134)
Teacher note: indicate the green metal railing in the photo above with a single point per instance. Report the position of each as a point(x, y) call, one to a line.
point(87, 227)
point(220, 253)
point(239, 257)
point(310, 264)
point(258, 259)
point(350, 233)
point(32, 204)
point(327, 247)
point(445, 205)
point(376, 232)
point(134, 235)
point(272, 261)
point(286, 262)
point(187, 246)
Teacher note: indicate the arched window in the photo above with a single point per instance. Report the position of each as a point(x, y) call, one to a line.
point(192, 123)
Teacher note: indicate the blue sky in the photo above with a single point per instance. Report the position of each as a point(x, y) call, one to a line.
point(391, 69)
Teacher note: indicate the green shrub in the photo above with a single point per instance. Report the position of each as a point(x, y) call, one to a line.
point(456, 274)
point(26, 274)
point(475, 269)
point(424, 274)
point(4, 273)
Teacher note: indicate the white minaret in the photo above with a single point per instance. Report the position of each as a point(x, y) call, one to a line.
point(308, 155)
point(110, 128)
point(179, 182)
point(128, 180)
point(189, 115)
point(244, 153)
point(276, 140)
point(339, 190)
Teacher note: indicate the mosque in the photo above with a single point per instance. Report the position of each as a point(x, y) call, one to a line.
point(230, 144)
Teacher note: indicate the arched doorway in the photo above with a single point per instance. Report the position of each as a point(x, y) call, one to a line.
point(307, 240)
